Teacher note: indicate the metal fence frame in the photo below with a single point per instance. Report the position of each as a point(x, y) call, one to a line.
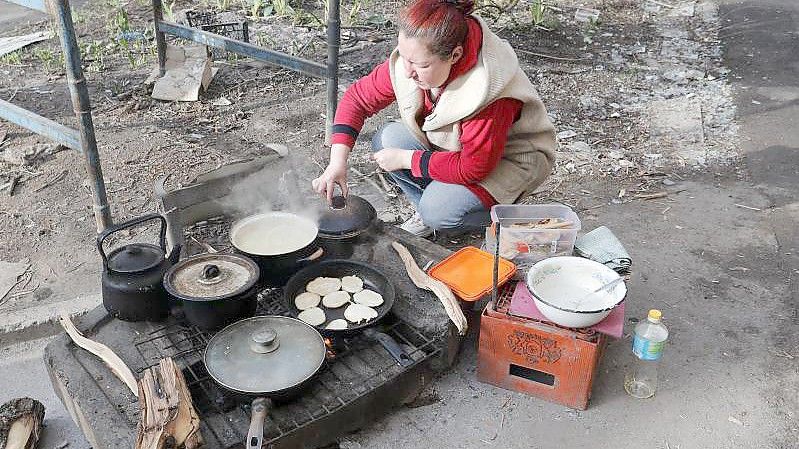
point(329, 71)
point(83, 139)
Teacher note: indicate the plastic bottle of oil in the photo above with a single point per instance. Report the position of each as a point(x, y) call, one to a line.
point(650, 336)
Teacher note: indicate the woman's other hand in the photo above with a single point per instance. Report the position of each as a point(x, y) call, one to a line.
point(392, 159)
point(335, 173)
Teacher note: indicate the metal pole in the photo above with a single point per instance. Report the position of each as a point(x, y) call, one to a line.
point(59, 9)
point(160, 39)
point(333, 43)
point(277, 58)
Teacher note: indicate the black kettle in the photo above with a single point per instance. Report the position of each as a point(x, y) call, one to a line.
point(133, 275)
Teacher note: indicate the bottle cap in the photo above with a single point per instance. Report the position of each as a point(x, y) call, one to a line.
point(655, 314)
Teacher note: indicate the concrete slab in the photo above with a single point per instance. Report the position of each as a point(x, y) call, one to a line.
point(41, 320)
point(188, 70)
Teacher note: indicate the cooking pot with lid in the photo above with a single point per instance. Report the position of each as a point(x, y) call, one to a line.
point(132, 278)
point(343, 224)
point(215, 289)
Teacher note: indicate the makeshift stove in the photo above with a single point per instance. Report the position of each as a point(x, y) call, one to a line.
point(360, 383)
point(359, 370)
point(537, 357)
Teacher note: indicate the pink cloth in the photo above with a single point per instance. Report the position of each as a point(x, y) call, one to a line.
point(522, 305)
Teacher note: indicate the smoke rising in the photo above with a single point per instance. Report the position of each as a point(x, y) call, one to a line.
point(276, 187)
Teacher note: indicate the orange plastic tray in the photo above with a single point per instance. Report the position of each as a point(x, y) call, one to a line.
point(469, 272)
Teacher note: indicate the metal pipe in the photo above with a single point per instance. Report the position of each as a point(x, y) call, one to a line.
point(32, 4)
point(40, 125)
point(277, 58)
point(59, 9)
point(160, 39)
point(333, 43)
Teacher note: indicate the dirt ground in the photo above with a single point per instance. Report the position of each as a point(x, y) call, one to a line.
point(597, 79)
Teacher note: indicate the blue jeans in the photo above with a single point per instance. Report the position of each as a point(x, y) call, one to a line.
point(442, 206)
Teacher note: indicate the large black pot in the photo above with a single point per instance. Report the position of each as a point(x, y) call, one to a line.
point(215, 289)
point(281, 243)
point(132, 274)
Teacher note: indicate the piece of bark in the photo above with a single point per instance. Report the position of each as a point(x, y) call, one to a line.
point(168, 418)
point(440, 289)
point(20, 423)
point(117, 366)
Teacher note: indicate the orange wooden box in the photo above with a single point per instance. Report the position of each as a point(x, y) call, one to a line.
point(538, 358)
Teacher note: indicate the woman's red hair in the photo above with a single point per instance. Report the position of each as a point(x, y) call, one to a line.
point(441, 23)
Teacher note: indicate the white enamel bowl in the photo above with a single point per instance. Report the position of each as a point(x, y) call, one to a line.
point(561, 288)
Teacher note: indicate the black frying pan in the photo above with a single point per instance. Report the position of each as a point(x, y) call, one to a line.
point(264, 358)
point(372, 280)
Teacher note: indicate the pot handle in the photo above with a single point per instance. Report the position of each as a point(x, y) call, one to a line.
point(129, 224)
point(255, 435)
point(315, 256)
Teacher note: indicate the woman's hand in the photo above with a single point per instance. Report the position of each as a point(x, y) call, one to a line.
point(392, 159)
point(335, 173)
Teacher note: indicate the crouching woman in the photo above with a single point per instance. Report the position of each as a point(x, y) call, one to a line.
point(473, 131)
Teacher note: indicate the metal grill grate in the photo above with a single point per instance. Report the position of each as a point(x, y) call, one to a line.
point(359, 367)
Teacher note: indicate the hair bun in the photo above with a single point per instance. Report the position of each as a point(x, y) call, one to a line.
point(464, 6)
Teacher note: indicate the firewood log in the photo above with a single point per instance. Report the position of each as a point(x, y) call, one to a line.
point(168, 418)
point(20, 423)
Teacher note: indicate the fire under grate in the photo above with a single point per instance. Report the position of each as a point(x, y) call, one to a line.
point(359, 367)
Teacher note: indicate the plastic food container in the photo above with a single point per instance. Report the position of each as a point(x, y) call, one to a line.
point(469, 272)
point(532, 232)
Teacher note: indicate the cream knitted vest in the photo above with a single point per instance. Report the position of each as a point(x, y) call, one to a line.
point(530, 148)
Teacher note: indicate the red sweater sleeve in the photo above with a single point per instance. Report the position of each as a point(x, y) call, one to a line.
point(482, 139)
point(364, 98)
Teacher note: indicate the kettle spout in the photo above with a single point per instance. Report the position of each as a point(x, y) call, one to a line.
point(174, 255)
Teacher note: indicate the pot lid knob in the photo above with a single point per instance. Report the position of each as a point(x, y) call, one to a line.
point(264, 341)
point(338, 202)
point(211, 274)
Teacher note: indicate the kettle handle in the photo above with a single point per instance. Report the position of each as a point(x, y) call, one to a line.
point(129, 224)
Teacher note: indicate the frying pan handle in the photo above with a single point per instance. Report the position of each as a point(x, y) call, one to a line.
point(391, 345)
point(255, 435)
